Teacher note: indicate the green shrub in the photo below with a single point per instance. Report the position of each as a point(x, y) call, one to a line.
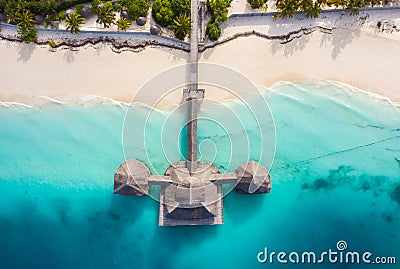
point(162, 12)
point(52, 43)
point(118, 7)
point(95, 4)
point(218, 9)
point(165, 12)
point(109, 4)
point(213, 31)
point(180, 7)
point(3, 4)
point(61, 15)
point(27, 35)
point(256, 4)
point(79, 8)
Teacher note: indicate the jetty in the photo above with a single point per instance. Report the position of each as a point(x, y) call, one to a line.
point(191, 191)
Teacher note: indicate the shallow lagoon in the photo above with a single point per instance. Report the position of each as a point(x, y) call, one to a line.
point(335, 177)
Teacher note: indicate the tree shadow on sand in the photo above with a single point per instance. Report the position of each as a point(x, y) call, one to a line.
point(69, 56)
point(290, 48)
point(340, 39)
point(25, 52)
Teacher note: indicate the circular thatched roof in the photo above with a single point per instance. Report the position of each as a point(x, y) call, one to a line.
point(68, 12)
point(85, 12)
point(141, 21)
point(54, 24)
point(131, 178)
point(155, 30)
point(39, 19)
point(3, 17)
point(253, 178)
point(124, 14)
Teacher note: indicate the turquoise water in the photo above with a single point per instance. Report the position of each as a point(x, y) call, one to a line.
point(335, 177)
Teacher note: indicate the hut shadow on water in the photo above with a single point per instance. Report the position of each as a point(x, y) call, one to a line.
point(239, 209)
point(61, 237)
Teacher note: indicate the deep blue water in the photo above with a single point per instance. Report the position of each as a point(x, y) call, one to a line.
point(336, 176)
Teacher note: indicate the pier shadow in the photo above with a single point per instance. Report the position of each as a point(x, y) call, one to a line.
point(174, 240)
point(25, 52)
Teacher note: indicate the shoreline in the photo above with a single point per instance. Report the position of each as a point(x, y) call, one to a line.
point(345, 49)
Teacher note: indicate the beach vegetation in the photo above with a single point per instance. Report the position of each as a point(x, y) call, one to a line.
point(105, 15)
point(353, 7)
point(218, 9)
point(52, 44)
point(55, 17)
point(79, 8)
point(60, 15)
point(174, 14)
point(27, 35)
point(256, 4)
point(95, 5)
point(287, 8)
point(180, 7)
point(310, 8)
point(219, 13)
point(74, 22)
point(123, 24)
point(182, 26)
point(25, 19)
point(213, 31)
point(162, 12)
point(118, 7)
point(136, 8)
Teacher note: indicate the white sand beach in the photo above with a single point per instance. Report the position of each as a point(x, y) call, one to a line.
point(353, 52)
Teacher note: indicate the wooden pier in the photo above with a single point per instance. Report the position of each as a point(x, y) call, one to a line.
point(191, 191)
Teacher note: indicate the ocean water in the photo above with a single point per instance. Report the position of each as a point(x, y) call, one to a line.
point(335, 175)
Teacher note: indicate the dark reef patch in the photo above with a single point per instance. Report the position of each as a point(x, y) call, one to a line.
point(321, 184)
point(395, 193)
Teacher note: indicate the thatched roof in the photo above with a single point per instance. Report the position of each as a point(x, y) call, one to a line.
point(54, 24)
point(131, 178)
point(3, 17)
point(253, 178)
point(85, 12)
point(68, 12)
point(39, 19)
point(141, 21)
point(155, 30)
point(124, 14)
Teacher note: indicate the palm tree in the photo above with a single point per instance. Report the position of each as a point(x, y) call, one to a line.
point(105, 16)
point(74, 22)
point(287, 8)
point(25, 19)
point(353, 7)
point(311, 9)
point(123, 24)
point(182, 26)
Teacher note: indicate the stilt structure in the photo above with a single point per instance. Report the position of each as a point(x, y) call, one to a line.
point(191, 191)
